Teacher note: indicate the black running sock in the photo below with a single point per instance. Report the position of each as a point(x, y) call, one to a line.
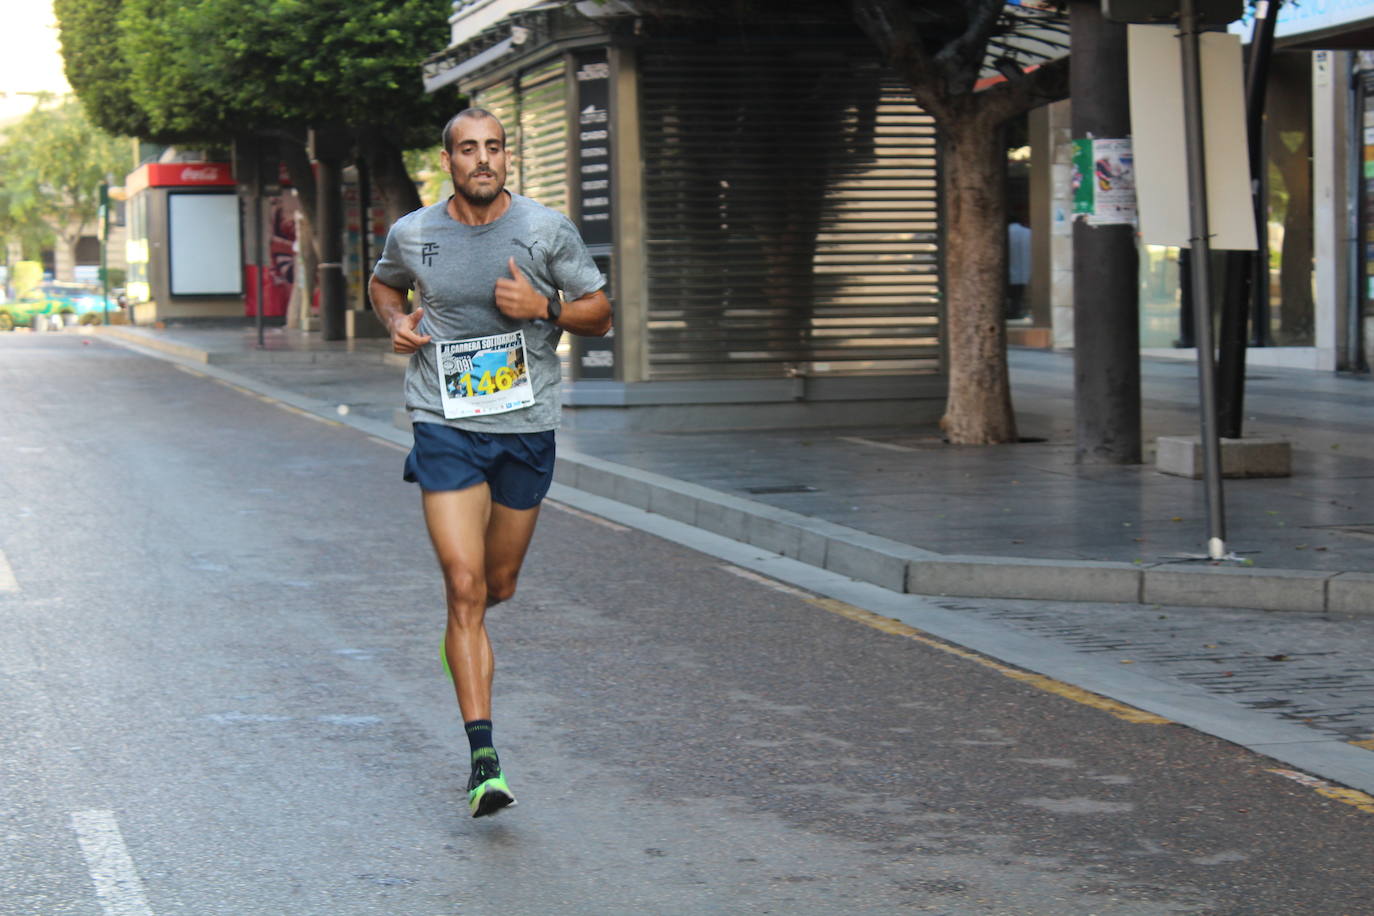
point(479, 738)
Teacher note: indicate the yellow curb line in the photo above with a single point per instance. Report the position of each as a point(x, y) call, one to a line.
point(1352, 797)
point(305, 413)
point(1039, 681)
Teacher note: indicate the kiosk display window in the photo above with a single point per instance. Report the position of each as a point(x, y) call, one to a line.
point(204, 244)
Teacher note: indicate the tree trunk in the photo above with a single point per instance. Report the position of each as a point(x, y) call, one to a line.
point(978, 409)
point(303, 180)
point(387, 170)
point(298, 166)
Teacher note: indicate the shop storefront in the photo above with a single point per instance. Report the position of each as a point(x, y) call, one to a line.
point(1318, 186)
point(765, 207)
point(1317, 137)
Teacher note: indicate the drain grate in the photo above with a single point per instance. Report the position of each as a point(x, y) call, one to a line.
point(782, 488)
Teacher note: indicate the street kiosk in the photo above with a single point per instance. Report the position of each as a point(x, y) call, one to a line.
point(184, 248)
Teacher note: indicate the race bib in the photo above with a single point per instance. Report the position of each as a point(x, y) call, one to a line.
point(483, 375)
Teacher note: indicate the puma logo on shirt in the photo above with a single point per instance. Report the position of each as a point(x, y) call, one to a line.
point(528, 248)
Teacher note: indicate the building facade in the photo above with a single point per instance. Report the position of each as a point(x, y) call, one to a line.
point(764, 204)
point(1318, 186)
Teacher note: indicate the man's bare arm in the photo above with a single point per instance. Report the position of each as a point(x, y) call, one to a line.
point(390, 305)
point(589, 316)
point(586, 316)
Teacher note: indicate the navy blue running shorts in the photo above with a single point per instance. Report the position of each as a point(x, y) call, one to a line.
point(517, 466)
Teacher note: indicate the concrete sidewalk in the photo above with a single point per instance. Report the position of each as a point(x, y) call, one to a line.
point(904, 519)
point(901, 509)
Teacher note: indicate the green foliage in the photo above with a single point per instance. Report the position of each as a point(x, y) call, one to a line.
point(211, 68)
point(346, 61)
point(52, 163)
point(423, 165)
point(95, 66)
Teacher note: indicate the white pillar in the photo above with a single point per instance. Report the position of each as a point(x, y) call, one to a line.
point(1331, 199)
point(63, 260)
point(1061, 224)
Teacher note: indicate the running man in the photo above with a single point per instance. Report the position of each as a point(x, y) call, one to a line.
point(482, 389)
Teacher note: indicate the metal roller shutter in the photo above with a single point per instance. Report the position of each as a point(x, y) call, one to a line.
point(533, 109)
point(544, 135)
point(791, 206)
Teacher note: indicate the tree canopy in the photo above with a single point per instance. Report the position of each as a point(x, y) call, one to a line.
point(176, 69)
point(96, 69)
point(52, 163)
point(206, 71)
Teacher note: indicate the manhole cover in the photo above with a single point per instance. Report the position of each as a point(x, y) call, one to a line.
point(784, 488)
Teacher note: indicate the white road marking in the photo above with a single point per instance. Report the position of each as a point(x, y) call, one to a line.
point(858, 440)
point(117, 884)
point(389, 444)
point(774, 584)
point(586, 516)
point(7, 581)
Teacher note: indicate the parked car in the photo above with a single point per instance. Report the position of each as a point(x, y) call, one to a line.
point(53, 297)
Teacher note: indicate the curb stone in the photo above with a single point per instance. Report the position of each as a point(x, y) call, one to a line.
point(904, 568)
point(898, 567)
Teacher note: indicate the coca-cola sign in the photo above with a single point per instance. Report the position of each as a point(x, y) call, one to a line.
point(180, 175)
point(193, 174)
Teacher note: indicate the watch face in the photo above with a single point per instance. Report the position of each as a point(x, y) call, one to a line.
point(555, 308)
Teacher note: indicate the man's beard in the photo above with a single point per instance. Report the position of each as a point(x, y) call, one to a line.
point(477, 197)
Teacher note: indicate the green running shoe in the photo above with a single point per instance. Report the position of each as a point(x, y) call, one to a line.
point(487, 789)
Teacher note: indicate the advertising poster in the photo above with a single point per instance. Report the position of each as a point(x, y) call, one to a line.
point(1104, 182)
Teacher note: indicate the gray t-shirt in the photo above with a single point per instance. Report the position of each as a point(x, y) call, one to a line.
point(453, 268)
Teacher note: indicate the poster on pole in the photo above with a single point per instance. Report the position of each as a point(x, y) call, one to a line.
point(1104, 182)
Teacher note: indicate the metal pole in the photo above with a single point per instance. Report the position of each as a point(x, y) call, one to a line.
point(1354, 312)
point(262, 265)
point(329, 227)
point(1106, 265)
point(1246, 273)
point(1256, 87)
point(1202, 281)
point(104, 245)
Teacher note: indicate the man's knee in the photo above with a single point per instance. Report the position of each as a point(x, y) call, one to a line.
point(500, 587)
point(465, 586)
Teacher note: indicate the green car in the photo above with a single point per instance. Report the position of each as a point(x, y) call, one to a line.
point(53, 298)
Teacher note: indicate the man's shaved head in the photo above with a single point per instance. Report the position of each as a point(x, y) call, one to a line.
point(476, 114)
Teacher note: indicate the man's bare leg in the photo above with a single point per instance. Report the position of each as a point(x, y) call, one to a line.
point(480, 546)
point(457, 522)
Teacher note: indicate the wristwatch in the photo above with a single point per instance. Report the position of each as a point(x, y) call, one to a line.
point(555, 309)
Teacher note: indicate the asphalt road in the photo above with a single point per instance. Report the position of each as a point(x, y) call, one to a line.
point(220, 693)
